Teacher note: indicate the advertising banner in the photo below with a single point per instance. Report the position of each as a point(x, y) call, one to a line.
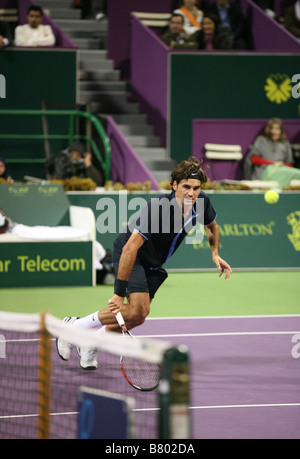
point(253, 233)
point(35, 264)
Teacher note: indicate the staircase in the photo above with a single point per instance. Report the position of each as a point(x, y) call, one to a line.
point(101, 87)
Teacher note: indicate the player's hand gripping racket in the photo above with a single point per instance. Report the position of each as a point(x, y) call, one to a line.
point(141, 375)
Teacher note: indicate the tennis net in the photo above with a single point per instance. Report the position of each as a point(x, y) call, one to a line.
point(39, 393)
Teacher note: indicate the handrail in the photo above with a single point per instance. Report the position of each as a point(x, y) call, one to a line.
point(105, 162)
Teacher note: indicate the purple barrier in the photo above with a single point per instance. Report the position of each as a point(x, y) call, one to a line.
point(149, 75)
point(8, 4)
point(267, 35)
point(62, 40)
point(119, 12)
point(233, 132)
point(126, 165)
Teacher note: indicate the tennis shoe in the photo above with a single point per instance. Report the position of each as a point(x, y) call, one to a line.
point(63, 347)
point(88, 358)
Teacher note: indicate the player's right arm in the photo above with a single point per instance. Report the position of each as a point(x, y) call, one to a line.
point(126, 263)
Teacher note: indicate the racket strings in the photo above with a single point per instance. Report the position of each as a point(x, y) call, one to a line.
point(141, 374)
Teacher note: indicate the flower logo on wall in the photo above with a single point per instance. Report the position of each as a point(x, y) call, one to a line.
point(278, 88)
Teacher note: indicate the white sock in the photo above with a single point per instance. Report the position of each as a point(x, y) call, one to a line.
point(90, 321)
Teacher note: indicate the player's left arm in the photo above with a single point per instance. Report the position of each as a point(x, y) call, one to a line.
point(213, 235)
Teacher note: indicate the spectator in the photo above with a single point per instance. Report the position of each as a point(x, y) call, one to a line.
point(5, 35)
point(270, 157)
point(230, 15)
point(175, 37)
point(95, 9)
point(292, 19)
point(73, 162)
point(99, 9)
point(34, 33)
point(3, 172)
point(192, 15)
point(267, 6)
point(213, 35)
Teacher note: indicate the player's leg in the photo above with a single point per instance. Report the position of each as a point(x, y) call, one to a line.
point(135, 311)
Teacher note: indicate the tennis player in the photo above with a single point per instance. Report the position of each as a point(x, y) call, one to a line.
point(140, 252)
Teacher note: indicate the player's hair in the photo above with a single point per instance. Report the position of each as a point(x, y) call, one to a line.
point(189, 168)
point(269, 125)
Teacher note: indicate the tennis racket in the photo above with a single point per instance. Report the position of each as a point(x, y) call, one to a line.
point(141, 375)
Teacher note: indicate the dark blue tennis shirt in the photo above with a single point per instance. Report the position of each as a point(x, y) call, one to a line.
point(162, 225)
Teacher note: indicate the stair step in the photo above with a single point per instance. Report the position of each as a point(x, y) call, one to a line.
point(97, 65)
point(91, 55)
point(161, 175)
point(155, 154)
point(102, 85)
point(136, 129)
point(96, 75)
point(63, 13)
point(143, 140)
point(90, 43)
point(164, 165)
point(56, 4)
point(82, 24)
point(113, 96)
point(106, 106)
point(75, 33)
point(130, 118)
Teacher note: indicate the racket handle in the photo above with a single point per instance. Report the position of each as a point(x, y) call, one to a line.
point(120, 319)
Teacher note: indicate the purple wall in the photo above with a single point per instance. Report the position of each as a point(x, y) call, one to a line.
point(119, 12)
point(126, 165)
point(149, 75)
point(267, 35)
point(266, 32)
point(233, 132)
point(8, 4)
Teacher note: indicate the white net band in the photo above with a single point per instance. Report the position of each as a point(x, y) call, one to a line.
point(112, 343)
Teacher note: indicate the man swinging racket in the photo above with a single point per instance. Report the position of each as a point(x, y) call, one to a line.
point(140, 252)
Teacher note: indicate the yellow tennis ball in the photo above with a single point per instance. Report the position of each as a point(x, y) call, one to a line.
point(271, 196)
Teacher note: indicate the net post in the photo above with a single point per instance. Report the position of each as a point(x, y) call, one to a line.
point(174, 421)
point(44, 376)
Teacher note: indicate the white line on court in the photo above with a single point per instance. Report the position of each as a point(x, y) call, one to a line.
point(227, 317)
point(262, 405)
point(208, 407)
point(192, 335)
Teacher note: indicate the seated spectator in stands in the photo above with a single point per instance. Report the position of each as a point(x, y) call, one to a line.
point(270, 157)
point(73, 162)
point(5, 35)
point(213, 35)
point(92, 9)
point(267, 6)
point(230, 15)
point(3, 172)
point(191, 14)
point(292, 19)
point(34, 33)
point(175, 37)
